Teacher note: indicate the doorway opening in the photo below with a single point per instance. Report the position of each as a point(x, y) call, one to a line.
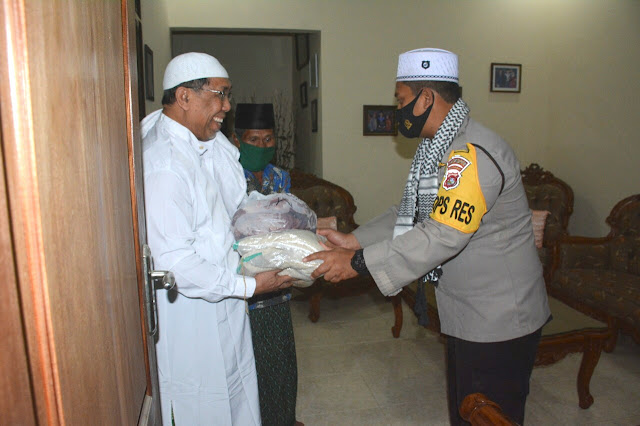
point(278, 67)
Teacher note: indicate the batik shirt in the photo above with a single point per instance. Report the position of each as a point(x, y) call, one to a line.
point(274, 180)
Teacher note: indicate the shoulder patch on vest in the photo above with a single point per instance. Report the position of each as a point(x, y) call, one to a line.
point(453, 174)
point(460, 203)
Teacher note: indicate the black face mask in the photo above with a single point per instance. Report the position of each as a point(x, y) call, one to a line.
point(409, 125)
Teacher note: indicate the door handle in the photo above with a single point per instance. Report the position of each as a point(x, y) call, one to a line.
point(163, 280)
point(153, 280)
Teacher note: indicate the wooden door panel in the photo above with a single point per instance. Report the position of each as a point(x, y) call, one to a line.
point(86, 344)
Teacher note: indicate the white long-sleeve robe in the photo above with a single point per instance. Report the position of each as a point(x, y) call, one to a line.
point(206, 364)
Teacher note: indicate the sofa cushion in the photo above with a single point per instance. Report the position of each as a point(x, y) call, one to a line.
point(634, 262)
point(614, 292)
point(595, 255)
point(619, 254)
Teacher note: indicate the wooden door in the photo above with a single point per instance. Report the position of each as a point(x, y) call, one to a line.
point(67, 146)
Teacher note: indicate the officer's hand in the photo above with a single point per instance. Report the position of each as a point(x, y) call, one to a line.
point(339, 239)
point(336, 265)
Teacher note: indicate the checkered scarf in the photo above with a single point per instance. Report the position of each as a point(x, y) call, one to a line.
point(422, 184)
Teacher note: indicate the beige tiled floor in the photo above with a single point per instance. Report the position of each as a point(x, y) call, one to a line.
point(353, 372)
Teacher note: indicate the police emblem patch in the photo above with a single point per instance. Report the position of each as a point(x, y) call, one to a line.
point(460, 203)
point(452, 176)
point(426, 64)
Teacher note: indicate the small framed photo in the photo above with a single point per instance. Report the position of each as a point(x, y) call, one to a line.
point(313, 72)
point(379, 120)
point(140, 68)
point(148, 72)
point(302, 50)
point(314, 116)
point(506, 77)
point(303, 95)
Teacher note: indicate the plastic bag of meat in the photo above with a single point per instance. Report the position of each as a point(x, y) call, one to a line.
point(280, 250)
point(262, 214)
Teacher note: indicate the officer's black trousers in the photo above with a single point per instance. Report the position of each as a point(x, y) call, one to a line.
point(500, 370)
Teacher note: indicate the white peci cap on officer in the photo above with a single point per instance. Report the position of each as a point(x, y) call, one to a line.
point(428, 64)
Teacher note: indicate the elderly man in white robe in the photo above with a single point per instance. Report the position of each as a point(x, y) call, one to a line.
point(193, 186)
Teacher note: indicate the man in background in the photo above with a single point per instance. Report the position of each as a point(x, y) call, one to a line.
point(193, 186)
point(271, 327)
point(255, 138)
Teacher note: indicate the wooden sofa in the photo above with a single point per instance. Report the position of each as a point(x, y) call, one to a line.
point(328, 199)
point(601, 276)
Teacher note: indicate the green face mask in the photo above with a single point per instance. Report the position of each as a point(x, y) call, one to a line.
point(254, 158)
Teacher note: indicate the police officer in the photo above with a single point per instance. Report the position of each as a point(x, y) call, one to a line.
point(464, 225)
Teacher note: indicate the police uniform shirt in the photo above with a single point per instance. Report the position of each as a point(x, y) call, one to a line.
point(480, 231)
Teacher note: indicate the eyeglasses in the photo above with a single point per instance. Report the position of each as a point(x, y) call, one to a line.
point(222, 95)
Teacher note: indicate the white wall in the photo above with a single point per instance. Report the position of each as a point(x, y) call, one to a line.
point(309, 143)
point(594, 106)
point(258, 65)
point(576, 115)
point(155, 34)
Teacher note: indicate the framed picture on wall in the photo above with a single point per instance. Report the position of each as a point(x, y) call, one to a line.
point(314, 116)
point(303, 95)
point(302, 50)
point(379, 120)
point(313, 72)
point(148, 72)
point(140, 70)
point(505, 77)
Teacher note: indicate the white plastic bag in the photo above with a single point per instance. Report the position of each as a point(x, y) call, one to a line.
point(262, 214)
point(280, 250)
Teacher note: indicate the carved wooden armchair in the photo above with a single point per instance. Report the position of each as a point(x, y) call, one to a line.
point(601, 276)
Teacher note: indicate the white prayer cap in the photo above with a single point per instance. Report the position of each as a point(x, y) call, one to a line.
point(192, 66)
point(428, 64)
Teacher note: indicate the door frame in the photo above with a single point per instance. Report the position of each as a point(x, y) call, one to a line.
point(150, 412)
